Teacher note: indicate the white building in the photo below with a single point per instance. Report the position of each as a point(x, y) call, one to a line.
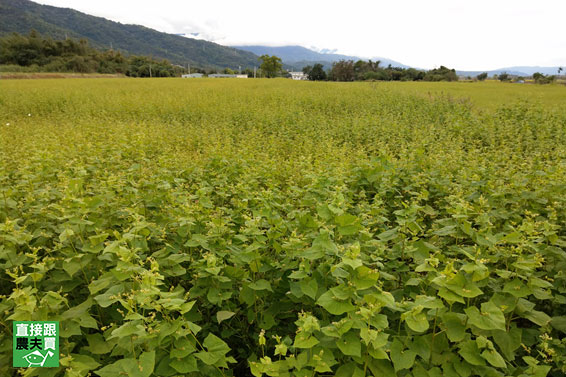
point(298, 76)
point(192, 76)
point(224, 75)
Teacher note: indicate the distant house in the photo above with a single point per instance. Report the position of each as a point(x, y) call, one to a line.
point(227, 76)
point(192, 76)
point(298, 76)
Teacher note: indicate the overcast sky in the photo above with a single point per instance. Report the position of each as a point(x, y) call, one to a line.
point(466, 35)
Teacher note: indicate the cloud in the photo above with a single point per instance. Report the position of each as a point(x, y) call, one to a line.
point(464, 35)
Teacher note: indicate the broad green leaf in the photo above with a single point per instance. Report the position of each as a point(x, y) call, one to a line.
point(120, 367)
point(214, 344)
point(83, 363)
point(130, 367)
point(455, 325)
point(88, 321)
point(146, 364)
point(183, 348)
point(514, 237)
point(309, 287)
point(559, 323)
point(416, 321)
point(349, 370)
point(429, 302)
point(537, 317)
point(72, 265)
point(337, 329)
point(388, 235)
point(402, 358)
point(97, 345)
point(447, 231)
point(365, 278)
point(517, 288)
point(185, 365)
point(97, 285)
point(77, 311)
point(224, 315)
point(334, 306)
point(463, 286)
point(198, 240)
point(207, 357)
point(110, 296)
point(470, 352)
point(320, 246)
point(421, 345)
point(305, 341)
point(381, 368)
point(298, 275)
point(505, 302)
point(494, 358)
point(186, 307)
point(375, 338)
point(508, 341)
point(260, 285)
point(347, 224)
point(489, 318)
point(128, 329)
point(450, 296)
point(350, 344)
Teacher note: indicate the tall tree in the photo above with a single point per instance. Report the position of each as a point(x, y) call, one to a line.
point(316, 73)
point(441, 74)
point(504, 77)
point(271, 65)
point(343, 70)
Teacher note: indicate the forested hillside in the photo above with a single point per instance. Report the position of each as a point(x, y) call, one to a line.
point(22, 16)
point(34, 53)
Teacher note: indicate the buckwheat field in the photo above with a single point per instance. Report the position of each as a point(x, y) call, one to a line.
point(278, 228)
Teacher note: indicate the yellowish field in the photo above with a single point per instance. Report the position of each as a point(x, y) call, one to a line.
point(279, 228)
point(486, 95)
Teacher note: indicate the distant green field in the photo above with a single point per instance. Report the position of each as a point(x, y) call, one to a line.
point(487, 95)
point(215, 227)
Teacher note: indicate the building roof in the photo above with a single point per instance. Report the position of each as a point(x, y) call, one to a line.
point(225, 75)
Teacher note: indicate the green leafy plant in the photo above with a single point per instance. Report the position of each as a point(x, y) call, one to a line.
point(229, 229)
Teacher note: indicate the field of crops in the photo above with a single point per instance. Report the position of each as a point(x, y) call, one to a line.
point(277, 228)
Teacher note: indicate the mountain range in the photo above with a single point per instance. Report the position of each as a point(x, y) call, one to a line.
point(516, 71)
point(22, 16)
point(297, 56)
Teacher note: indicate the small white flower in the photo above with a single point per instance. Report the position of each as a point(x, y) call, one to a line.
point(29, 115)
point(7, 124)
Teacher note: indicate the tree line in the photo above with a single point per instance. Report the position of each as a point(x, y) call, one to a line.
point(348, 70)
point(36, 53)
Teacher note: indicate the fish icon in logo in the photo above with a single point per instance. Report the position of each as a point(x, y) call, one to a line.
point(36, 358)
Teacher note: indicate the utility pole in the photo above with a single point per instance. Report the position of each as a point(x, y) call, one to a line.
point(189, 67)
point(254, 72)
point(149, 70)
point(240, 69)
